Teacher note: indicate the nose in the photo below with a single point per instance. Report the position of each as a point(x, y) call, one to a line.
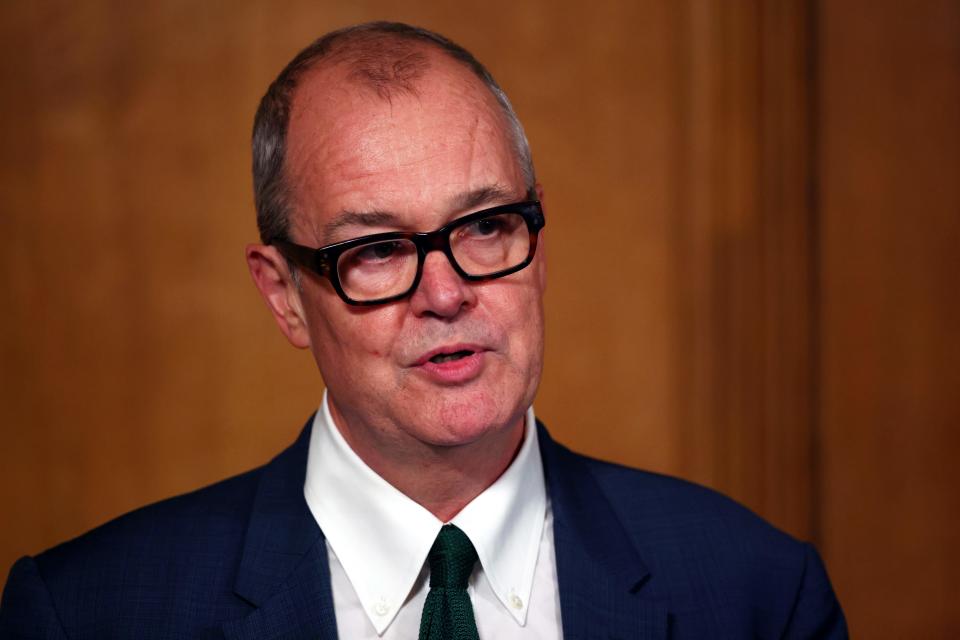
point(442, 292)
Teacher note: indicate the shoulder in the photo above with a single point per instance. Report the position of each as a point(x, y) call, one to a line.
point(716, 559)
point(179, 561)
point(666, 512)
point(650, 504)
point(639, 495)
point(197, 522)
point(160, 560)
point(710, 565)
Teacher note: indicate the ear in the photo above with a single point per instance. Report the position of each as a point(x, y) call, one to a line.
point(542, 242)
point(275, 282)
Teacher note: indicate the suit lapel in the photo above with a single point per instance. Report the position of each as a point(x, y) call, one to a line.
point(600, 573)
point(284, 571)
point(285, 576)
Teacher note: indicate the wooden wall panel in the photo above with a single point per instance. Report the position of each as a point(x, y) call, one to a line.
point(743, 279)
point(129, 331)
point(890, 163)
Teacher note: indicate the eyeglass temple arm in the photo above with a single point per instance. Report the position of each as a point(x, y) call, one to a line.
point(304, 256)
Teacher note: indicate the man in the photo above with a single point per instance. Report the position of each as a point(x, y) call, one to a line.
point(402, 231)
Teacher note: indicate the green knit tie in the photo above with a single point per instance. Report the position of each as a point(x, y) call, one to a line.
point(447, 613)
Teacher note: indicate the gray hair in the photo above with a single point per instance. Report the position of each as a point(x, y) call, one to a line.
point(377, 55)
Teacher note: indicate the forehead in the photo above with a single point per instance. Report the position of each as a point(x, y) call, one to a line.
point(353, 147)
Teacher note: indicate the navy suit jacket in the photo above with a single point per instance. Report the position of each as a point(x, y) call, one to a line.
point(639, 555)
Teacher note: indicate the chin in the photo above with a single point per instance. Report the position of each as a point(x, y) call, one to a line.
point(466, 418)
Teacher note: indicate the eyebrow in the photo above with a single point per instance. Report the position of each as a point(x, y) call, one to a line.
point(489, 194)
point(358, 218)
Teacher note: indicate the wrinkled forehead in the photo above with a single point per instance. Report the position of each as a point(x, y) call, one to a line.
point(351, 118)
point(346, 86)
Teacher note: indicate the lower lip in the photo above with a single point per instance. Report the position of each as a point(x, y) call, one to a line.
point(454, 371)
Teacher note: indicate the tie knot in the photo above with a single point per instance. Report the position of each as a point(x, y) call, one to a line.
point(451, 558)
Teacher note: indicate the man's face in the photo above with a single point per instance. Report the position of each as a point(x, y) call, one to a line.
point(418, 161)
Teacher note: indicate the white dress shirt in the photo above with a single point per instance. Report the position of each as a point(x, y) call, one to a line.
point(378, 540)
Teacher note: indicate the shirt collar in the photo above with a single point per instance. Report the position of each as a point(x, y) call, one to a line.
point(382, 538)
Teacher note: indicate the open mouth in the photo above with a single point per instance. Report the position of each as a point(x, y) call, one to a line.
point(440, 358)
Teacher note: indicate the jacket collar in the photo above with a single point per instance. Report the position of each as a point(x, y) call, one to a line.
point(600, 572)
point(284, 571)
point(285, 574)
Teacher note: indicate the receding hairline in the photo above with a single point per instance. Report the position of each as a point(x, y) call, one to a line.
point(384, 62)
point(387, 72)
point(340, 74)
point(390, 58)
point(303, 119)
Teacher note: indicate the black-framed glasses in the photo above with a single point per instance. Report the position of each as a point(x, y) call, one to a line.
point(384, 267)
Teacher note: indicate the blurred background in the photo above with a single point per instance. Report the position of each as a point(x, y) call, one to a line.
point(754, 226)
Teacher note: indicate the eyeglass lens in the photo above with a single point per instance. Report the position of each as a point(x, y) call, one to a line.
point(386, 268)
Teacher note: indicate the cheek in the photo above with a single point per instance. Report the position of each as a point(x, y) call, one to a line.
point(521, 320)
point(532, 345)
point(352, 336)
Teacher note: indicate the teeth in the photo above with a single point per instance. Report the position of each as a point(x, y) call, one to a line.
point(447, 357)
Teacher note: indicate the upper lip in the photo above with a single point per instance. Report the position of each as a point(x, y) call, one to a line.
point(450, 348)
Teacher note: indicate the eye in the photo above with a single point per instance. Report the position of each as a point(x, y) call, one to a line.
point(483, 228)
point(378, 252)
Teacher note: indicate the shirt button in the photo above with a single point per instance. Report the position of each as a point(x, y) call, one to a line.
point(516, 602)
point(381, 608)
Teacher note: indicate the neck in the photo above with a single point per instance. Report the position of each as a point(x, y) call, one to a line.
point(442, 479)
